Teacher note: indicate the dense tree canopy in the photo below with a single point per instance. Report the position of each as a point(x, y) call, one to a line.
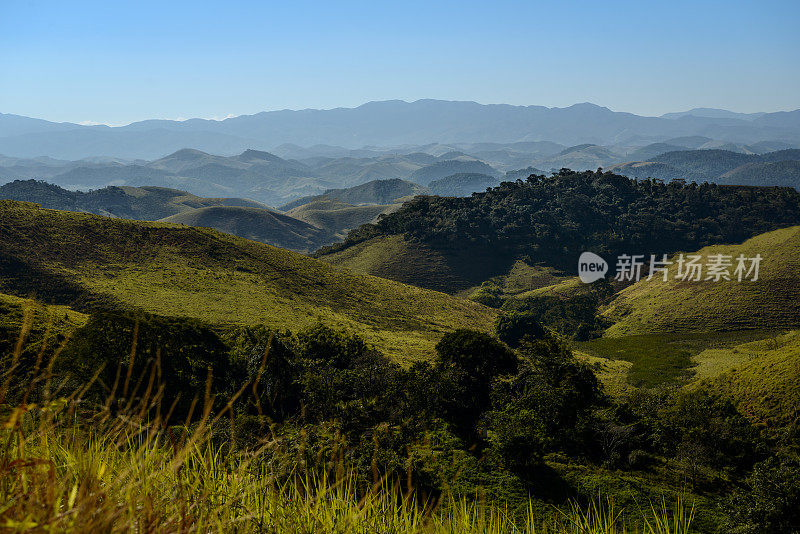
point(553, 219)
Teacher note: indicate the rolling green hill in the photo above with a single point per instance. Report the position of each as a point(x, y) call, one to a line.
point(262, 225)
point(147, 203)
point(777, 168)
point(374, 192)
point(337, 217)
point(581, 157)
point(409, 261)
point(765, 379)
point(441, 169)
point(89, 261)
point(238, 216)
point(652, 150)
point(656, 306)
point(705, 162)
point(350, 171)
point(656, 171)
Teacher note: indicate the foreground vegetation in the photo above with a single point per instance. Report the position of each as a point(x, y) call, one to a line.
point(76, 462)
point(130, 421)
point(125, 474)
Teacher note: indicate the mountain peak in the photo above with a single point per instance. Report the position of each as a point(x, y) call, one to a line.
point(251, 155)
point(587, 106)
point(187, 153)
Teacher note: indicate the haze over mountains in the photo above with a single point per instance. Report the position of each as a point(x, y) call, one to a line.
point(389, 124)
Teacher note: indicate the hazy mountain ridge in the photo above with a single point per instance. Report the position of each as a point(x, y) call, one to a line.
point(277, 181)
point(779, 168)
point(387, 123)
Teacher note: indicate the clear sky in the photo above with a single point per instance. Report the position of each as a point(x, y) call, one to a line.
point(117, 61)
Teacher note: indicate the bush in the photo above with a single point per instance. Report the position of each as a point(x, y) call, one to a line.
point(130, 349)
point(511, 328)
point(770, 501)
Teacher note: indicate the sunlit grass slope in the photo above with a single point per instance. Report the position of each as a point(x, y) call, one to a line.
point(765, 378)
point(220, 278)
point(669, 358)
point(39, 324)
point(656, 306)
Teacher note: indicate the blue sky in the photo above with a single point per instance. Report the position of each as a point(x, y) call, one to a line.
point(120, 61)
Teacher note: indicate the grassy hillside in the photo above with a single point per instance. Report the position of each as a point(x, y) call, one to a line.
point(192, 272)
point(257, 224)
point(765, 379)
point(374, 192)
point(377, 192)
point(666, 359)
point(676, 306)
point(337, 217)
point(33, 325)
point(238, 216)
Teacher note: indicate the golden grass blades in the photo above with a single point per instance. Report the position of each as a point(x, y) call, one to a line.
point(72, 479)
point(675, 521)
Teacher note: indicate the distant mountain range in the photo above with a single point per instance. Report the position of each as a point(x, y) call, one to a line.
point(389, 124)
point(779, 168)
point(375, 176)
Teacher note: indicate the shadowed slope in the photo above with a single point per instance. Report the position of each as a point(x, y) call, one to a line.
point(257, 224)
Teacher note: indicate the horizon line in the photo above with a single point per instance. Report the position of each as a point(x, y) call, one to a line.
point(90, 123)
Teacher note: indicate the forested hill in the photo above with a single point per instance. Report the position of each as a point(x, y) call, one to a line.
point(552, 219)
